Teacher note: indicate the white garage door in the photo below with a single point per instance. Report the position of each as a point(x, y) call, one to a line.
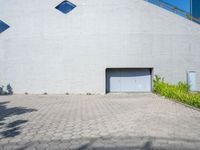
point(128, 80)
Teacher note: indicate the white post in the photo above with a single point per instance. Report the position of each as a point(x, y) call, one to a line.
point(191, 80)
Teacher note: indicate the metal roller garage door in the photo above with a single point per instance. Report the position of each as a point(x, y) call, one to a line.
point(128, 80)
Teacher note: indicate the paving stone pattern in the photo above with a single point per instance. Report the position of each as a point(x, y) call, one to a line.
point(108, 122)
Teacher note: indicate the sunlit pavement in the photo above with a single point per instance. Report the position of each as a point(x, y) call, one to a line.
point(113, 121)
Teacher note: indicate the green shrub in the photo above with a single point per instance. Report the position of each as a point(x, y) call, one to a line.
point(179, 92)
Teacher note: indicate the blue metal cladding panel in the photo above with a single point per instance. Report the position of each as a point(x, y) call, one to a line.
point(196, 8)
point(184, 8)
point(65, 7)
point(3, 26)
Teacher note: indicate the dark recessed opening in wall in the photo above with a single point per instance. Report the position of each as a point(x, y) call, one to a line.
point(3, 26)
point(65, 7)
point(125, 80)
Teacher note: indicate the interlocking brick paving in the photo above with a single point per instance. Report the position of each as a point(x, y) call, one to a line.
point(114, 121)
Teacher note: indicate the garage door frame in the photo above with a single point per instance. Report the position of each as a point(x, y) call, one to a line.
point(106, 78)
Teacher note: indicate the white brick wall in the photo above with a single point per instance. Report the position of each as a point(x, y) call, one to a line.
point(47, 51)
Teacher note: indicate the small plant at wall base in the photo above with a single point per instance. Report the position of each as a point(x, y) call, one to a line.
point(8, 91)
point(179, 92)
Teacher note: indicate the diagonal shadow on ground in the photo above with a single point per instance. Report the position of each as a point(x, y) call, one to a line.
point(11, 129)
point(109, 143)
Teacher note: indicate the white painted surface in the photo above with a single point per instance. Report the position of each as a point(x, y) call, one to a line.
point(47, 51)
point(113, 83)
point(191, 79)
point(129, 80)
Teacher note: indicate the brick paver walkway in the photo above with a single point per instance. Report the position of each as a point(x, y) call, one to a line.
point(135, 121)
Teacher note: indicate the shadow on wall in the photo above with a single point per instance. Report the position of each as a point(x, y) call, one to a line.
point(11, 129)
point(8, 91)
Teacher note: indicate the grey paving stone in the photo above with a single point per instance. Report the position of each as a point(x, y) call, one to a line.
point(114, 121)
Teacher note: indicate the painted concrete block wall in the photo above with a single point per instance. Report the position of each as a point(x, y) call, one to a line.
point(47, 51)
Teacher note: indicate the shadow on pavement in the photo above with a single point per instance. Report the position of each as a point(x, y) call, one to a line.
point(11, 129)
point(109, 143)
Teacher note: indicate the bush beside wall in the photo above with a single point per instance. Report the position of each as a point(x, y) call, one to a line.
point(179, 92)
point(8, 91)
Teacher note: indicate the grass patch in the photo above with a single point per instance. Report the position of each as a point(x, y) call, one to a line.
point(179, 92)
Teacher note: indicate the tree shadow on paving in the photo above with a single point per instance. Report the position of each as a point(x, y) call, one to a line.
point(110, 143)
point(141, 143)
point(11, 129)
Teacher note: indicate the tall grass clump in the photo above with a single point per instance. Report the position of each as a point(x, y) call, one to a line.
point(179, 92)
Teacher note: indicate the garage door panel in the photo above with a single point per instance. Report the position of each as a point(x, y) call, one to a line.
point(129, 80)
point(114, 81)
point(143, 83)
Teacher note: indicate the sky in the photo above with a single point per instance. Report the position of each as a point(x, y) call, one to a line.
point(182, 4)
